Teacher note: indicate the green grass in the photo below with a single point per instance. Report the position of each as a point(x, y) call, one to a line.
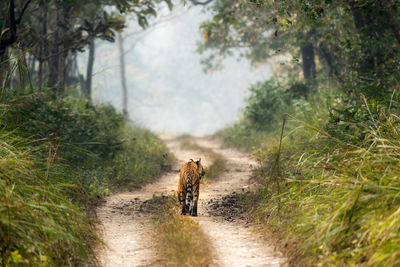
point(57, 159)
point(39, 223)
point(143, 157)
point(218, 164)
point(336, 203)
point(179, 239)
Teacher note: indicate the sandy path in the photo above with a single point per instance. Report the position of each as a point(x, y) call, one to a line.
point(235, 243)
point(126, 228)
point(125, 222)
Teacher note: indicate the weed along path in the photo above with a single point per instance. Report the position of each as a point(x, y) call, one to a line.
point(126, 217)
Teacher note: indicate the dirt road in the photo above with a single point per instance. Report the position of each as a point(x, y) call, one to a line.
point(126, 228)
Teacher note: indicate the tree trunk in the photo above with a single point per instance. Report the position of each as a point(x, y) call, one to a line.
point(360, 21)
point(394, 25)
point(307, 53)
point(53, 54)
point(31, 71)
point(391, 18)
point(89, 71)
point(58, 53)
point(123, 78)
point(325, 54)
point(4, 69)
point(42, 44)
point(62, 52)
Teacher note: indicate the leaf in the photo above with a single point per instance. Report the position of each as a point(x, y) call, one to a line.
point(143, 21)
point(169, 4)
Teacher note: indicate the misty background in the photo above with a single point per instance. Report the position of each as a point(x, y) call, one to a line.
point(168, 91)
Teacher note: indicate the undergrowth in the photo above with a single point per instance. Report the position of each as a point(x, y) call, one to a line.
point(333, 190)
point(58, 157)
point(179, 239)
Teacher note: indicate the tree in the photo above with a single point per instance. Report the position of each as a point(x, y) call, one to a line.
point(123, 78)
point(9, 34)
point(136, 35)
point(59, 29)
point(353, 39)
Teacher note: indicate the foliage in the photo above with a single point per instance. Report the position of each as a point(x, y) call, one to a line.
point(357, 41)
point(265, 102)
point(144, 157)
point(77, 128)
point(347, 194)
point(39, 224)
point(58, 156)
point(336, 198)
point(53, 32)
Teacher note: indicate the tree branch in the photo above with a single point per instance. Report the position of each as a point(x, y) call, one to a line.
point(11, 13)
point(10, 36)
point(198, 3)
point(23, 11)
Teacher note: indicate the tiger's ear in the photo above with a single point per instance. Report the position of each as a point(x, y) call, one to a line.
point(198, 162)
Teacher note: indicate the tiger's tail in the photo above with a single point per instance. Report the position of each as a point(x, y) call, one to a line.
point(189, 189)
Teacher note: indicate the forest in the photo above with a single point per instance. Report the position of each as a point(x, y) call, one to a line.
point(61, 153)
point(325, 127)
point(324, 131)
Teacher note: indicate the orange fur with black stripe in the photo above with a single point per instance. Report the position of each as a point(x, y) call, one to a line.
point(189, 186)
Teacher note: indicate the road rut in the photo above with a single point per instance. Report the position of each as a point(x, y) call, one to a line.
point(125, 221)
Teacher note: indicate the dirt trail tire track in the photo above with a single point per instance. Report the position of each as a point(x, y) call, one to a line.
point(234, 241)
point(127, 231)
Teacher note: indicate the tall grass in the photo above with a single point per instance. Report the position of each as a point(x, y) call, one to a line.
point(57, 157)
point(39, 224)
point(342, 202)
point(336, 196)
point(143, 158)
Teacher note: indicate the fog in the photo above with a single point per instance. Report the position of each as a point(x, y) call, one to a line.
point(168, 90)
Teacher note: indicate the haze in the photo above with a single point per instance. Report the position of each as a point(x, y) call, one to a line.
point(168, 90)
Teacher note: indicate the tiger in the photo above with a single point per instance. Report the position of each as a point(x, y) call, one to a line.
point(189, 186)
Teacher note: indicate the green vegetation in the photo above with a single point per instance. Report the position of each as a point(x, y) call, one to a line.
point(179, 239)
point(337, 194)
point(327, 140)
point(218, 161)
point(39, 225)
point(59, 153)
point(57, 157)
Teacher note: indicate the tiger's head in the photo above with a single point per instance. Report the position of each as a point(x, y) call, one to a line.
point(200, 168)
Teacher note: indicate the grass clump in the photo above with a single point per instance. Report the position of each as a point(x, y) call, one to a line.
point(57, 158)
point(218, 161)
point(179, 239)
point(340, 201)
point(40, 225)
point(332, 193)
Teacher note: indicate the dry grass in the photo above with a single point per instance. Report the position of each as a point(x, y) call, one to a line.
point(179, 239)
point(337, 205)
point(218, 161)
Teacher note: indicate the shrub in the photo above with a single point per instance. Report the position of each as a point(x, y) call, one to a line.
point(39, 224)
point(56, 157)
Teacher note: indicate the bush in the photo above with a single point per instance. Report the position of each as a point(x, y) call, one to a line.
point(79, 129)
point(56, 157)
point(265, 103)
point(337, 195)
point(39, 224)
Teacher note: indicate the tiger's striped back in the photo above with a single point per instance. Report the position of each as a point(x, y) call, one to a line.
point(189, 186)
